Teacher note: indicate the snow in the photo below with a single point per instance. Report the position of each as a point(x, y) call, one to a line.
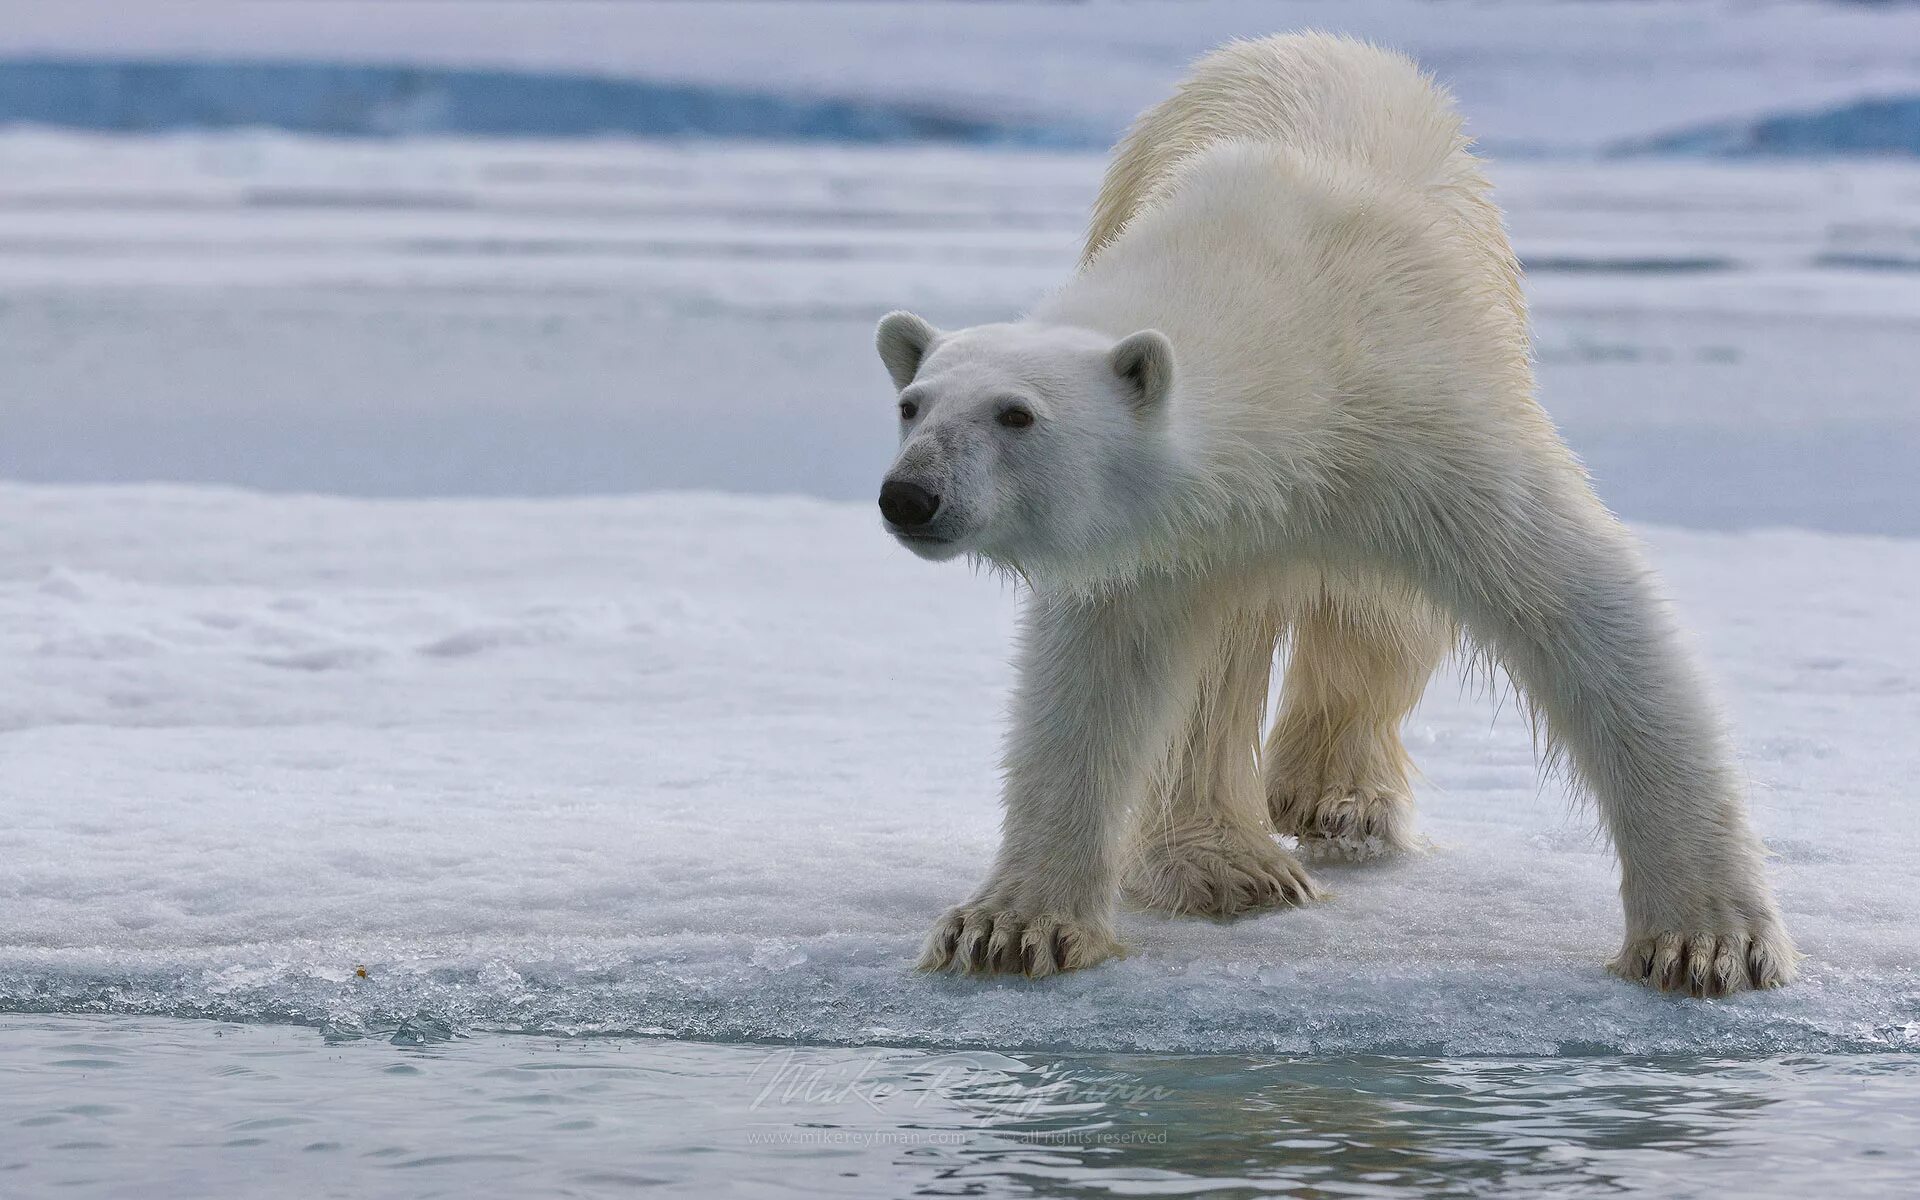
point(708, 766)
point(1548, 77)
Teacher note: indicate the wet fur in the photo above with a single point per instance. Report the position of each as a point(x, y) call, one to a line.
point(1346, 454)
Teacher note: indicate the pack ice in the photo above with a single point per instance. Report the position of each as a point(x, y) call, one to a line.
point(707, 766)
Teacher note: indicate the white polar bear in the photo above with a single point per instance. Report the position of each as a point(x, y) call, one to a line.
point(1288, 395)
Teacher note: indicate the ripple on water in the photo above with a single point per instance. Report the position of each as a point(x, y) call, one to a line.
point(690, 1118)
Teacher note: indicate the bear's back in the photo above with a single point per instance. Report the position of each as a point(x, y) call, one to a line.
point(1333, 101)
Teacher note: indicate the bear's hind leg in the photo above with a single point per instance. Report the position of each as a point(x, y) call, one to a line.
point(1202, 845)
point(1336, 772)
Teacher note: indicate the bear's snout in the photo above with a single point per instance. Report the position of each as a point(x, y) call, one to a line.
point(907, 505)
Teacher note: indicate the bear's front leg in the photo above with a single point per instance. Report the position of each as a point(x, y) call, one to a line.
point(1558, 590)
point(1100, 683)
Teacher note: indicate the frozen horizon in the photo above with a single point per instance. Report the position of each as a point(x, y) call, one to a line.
point(1728, 345)
point(1533, 78)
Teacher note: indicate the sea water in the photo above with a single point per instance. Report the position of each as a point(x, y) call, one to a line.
point(112, 1107)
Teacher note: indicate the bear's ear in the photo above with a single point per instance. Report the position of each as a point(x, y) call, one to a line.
point(1144, 363)
point(903, 340)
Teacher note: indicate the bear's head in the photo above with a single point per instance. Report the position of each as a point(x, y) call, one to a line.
point(1024, 444)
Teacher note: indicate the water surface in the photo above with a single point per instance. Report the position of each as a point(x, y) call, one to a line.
point(93, 1106)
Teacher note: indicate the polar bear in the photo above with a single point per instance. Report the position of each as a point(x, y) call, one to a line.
point(1287, 397)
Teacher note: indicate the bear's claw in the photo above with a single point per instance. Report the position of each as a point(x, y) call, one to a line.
point(1707, 964)
point(986, 941)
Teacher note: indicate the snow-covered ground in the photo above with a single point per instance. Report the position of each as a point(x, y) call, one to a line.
point(708, 766)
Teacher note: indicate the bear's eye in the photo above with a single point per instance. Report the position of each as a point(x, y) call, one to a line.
point(1015, 417)
point(908, 410)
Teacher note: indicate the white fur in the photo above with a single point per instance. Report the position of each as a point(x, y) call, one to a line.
point(1288, 395)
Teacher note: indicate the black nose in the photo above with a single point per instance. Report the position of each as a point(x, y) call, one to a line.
point(907, 505)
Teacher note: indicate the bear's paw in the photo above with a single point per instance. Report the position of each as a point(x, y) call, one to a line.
point(1708, 964)
point(1208, 869)
point(986, 939)
point(1345, 824)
